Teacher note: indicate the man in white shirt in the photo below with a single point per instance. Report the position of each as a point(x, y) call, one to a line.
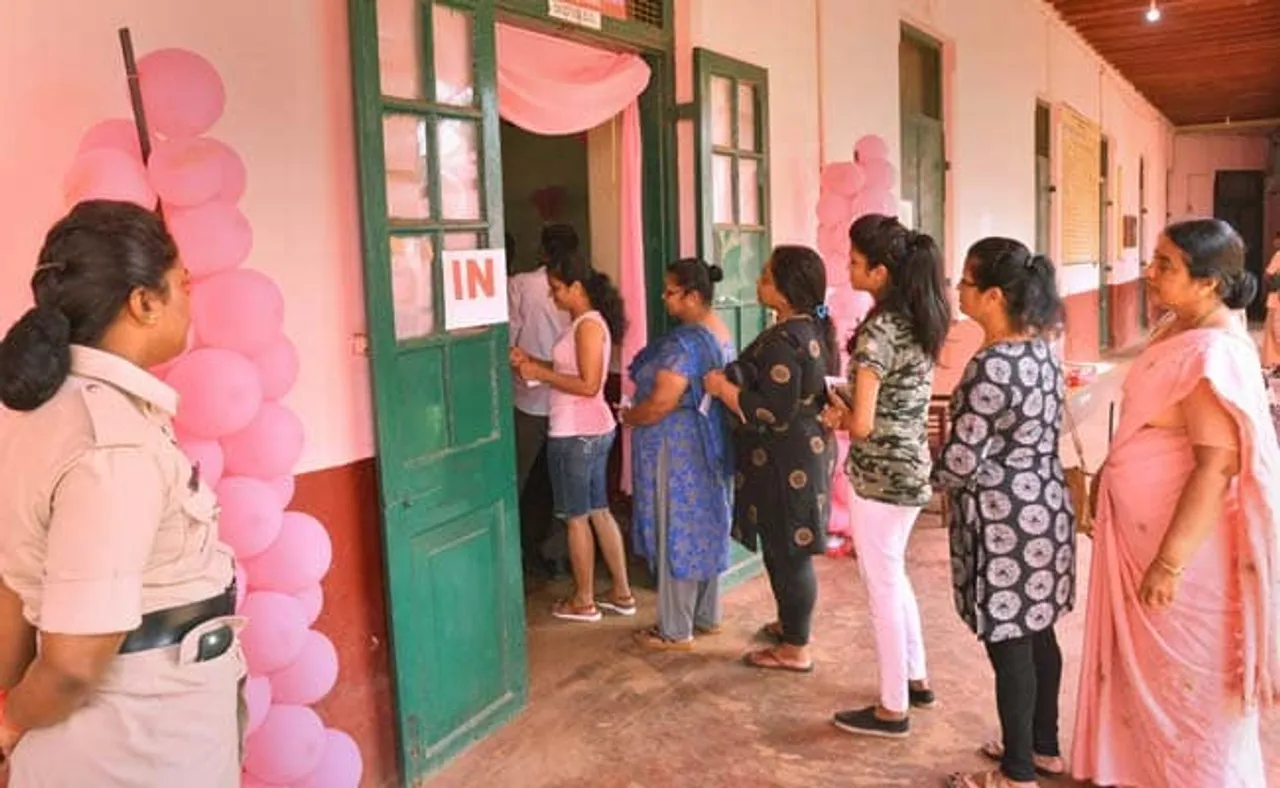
point(535, 325)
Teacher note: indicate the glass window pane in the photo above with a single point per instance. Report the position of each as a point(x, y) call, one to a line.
point(459, 145)
point(722, 189)
point(748, 191)
point(404, 146)
point(721, 111)
point(400, 48)
point(412, 288)
point(747, 118)
point(455, 65)
point(751, 261)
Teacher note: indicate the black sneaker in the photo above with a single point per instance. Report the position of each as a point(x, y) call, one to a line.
point(922, 698)
point(864, 722)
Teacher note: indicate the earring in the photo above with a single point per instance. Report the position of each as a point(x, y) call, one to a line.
point(151, 319)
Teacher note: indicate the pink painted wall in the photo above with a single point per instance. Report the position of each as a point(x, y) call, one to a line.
point(1198, 156)
point(289, 115)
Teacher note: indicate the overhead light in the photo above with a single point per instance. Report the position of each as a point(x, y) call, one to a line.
point(1153, 12)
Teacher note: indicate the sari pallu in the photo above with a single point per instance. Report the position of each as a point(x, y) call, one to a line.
point(1173, 697)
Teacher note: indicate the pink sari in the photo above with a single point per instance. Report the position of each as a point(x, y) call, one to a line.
point(1172, 698)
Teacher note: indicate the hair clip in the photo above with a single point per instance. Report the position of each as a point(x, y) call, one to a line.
point(821, 311)
point(56, 265)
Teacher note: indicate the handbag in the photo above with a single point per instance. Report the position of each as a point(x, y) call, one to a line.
point(1081, 483)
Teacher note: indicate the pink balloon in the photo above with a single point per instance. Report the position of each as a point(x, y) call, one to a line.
point(241, 310)
point(211, 238)
point(340, 767)
point(298, 558)
point(842, 178)
point(834, 239)
point(312, 599)
point(248, 781)
point(181, 92)
point(870, 148)
point(108, 174)
point(277, 365)
point(257, 700)
point(889, 205)
point(288, 746)
point(207, 455)
point(186, 172)
point(285, 486)
point(251, 519)
point(834, 209)
point(242, 585)
point(276, 630)
point(881, 176)
point(235, 178)
point(868, 202)
point(269, 446)
point(118, 133)
point(309, 677)
point(220, 393)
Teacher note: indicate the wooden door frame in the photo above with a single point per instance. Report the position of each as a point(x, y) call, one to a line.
point(660, 228)
point(919, 34)
point(1106, 334)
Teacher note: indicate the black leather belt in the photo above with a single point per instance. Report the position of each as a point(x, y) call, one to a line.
point(161, 628)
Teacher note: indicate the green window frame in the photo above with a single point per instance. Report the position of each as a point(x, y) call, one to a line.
point(733, 183)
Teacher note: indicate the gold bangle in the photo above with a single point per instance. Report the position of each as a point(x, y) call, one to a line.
point(1168, 567)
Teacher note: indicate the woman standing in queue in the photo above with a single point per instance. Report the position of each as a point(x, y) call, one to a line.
point(116, 647)
point(784, 456)
point(580, 431)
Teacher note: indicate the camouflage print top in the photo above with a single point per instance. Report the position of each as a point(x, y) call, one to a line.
point(892, 465)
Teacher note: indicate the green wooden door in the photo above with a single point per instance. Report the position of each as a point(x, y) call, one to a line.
point(430, 180)
point(733, 183)
point(732, 139)
point(924, 173)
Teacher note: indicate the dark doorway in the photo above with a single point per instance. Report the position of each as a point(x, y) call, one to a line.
point(1238, 200)
point(1044, 179)
point(924, 162)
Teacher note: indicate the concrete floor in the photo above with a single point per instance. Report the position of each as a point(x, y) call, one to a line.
point(604, 713)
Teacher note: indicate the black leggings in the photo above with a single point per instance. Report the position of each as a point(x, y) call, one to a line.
point(795, 589)
point(1028, 676)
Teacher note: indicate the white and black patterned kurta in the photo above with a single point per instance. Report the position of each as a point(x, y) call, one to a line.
point(1013, 530)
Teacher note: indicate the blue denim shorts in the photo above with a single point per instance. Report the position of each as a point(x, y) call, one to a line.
point(579, 469)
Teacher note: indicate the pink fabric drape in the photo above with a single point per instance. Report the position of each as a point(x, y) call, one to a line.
point(1172, 697)
point(551, 86)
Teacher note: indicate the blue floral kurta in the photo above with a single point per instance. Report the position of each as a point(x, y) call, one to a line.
point(699, 459)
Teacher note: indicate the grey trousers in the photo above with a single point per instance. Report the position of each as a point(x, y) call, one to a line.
point(682, 604)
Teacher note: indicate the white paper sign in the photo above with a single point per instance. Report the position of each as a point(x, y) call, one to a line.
point(475, 288)
point(585, 13)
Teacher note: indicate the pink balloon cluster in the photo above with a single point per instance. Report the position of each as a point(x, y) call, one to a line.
point(849, 190)
point(238, 366)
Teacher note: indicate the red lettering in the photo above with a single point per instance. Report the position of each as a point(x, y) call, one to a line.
point(457, 280)
point(479, 277)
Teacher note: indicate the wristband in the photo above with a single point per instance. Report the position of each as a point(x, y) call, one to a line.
point(1168, 567)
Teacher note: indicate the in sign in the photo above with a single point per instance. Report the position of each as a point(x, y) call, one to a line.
point(475, 288)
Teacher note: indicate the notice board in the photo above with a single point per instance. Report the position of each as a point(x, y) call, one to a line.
point(1080, 146)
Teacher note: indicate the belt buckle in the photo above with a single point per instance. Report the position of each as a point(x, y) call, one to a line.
point(214, 643)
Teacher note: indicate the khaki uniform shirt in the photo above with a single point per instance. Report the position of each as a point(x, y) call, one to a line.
point(102, 520)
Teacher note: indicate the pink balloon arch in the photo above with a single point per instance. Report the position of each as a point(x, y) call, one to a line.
point(231, 419)
point(850, 189)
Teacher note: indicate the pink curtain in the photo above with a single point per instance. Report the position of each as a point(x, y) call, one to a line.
point(551, 86)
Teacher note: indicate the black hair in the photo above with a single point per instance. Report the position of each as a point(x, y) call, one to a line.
point(695, 275)
point(601, 292)
point(917, 289)
point(558, 240)
point(1028, 282)
point(800, 276)
point(1215, 251)
point(91, 262)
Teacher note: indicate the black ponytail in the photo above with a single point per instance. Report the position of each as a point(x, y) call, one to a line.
point(1028, 282)
point(917, 289)
point(800, 276)
point(91, 262)
point(601, 292)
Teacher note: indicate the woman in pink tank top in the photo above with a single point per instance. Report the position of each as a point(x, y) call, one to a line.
point(581, 430)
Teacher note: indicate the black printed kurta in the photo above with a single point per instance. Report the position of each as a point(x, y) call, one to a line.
point(1013, 534)
point(784, 456)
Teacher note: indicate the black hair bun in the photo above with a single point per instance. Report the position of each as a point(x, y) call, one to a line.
point(715, 273)
point(35, 358)
point(1239, 290)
